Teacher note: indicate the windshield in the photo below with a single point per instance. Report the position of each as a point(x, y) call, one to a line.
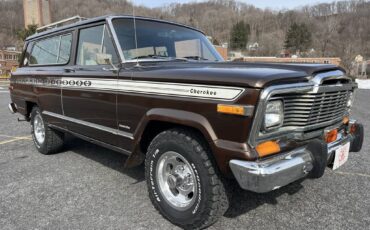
point(160, 40)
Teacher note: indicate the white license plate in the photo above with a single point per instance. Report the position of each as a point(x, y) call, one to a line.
point(341, 156)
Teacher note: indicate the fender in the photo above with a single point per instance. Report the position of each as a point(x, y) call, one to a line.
point(175, 116)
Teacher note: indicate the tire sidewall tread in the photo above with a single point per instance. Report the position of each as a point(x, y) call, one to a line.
point(211, 198)
point(54, 140)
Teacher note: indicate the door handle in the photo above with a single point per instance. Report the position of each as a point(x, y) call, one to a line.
point(69, 70)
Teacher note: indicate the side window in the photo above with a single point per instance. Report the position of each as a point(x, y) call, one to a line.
point(95, 46)
point(65, 48)
point(45, 52)
point(207, 54)
point(54, 50)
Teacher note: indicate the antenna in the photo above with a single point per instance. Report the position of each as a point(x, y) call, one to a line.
point(133, 14)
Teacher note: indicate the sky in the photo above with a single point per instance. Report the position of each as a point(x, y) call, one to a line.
point(273, 4)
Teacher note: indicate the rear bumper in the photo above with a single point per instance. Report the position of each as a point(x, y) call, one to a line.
point(273, 173)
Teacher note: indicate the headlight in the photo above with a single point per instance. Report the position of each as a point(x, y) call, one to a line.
point(274, 114)
point(350, 100)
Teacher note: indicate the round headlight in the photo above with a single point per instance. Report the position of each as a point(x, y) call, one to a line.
point(274, 114)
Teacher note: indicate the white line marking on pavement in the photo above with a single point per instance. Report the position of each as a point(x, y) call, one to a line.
point(3, 135)
point(353, 174)
point(16, 139)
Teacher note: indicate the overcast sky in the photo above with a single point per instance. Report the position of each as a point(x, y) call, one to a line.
point(273, 4)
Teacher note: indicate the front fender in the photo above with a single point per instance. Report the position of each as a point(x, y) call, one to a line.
point(223, 151)
point(173, 116)
point(180, 117)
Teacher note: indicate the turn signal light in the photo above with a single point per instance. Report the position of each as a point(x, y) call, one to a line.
point(268, 148)
point(231, 109)
point(345, 120)
point(353, 128)
point(331, 136)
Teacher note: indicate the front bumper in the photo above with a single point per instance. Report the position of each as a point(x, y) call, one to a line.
point(273, 173)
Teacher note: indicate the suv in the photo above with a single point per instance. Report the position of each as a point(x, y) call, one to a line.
point(160, 93)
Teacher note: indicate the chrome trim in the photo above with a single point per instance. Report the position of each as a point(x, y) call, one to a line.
point(118, 46)
point(115, 38)
point(279, 170)
point(94, 141)
point(336, 74)
point(271, 174)
point(60, 39)
point(338, 143)
point(312, 86)
point(265, 96)
point(91, 125)
point(12, 108)
point(248, 110)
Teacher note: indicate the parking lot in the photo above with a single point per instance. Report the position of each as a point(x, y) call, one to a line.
point(86, 187)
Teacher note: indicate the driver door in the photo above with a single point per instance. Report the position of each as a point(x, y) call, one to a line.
point(89, 87)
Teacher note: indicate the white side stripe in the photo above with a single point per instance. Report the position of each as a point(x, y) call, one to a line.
point(213, 92)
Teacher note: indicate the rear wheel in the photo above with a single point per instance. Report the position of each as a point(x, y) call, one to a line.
point(183, 182)
point(46, 140)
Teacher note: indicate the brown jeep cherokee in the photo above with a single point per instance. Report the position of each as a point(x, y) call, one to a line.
point(160, 93)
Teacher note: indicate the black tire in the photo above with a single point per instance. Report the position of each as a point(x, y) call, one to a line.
point(53, 141)
point(356, 145)
point(211, 200)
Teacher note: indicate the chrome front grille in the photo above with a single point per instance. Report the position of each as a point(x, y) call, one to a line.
point(313, 108)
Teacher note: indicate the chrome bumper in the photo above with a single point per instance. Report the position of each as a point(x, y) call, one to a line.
point(267, 175)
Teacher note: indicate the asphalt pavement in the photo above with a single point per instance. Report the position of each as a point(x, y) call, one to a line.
point(86, 187)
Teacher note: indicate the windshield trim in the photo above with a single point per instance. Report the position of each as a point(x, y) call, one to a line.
point(109, 21)
point(115, 38)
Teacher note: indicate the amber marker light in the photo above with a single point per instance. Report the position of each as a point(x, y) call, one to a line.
point(268, 148)
point(231, 109)
point(331, 136)
point(345, 120)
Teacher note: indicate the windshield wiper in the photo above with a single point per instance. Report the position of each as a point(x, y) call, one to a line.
point(151, 56)
point(199, 58)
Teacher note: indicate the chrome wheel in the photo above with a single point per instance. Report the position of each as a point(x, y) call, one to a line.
point(39, 129)
point(176, 180)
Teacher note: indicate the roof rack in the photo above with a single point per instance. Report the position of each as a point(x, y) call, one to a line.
point(70, 20)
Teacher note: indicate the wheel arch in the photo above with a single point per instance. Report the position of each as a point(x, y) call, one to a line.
point(161, 119)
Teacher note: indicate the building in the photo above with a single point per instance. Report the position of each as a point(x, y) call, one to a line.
point(222, 51)
point(36, 12)
point(8, 61)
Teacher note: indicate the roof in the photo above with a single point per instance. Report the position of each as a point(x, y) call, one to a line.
point(102, 18)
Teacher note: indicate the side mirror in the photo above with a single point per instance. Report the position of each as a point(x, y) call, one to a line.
point(103, 59)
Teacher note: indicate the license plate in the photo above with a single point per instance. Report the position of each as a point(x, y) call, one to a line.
point(341, 156)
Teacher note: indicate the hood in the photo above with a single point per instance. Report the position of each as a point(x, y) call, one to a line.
point(254, 75)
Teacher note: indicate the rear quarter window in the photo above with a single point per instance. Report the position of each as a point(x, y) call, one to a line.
point(51, 51)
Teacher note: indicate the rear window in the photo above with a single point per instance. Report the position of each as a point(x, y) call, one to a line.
point(51, 51)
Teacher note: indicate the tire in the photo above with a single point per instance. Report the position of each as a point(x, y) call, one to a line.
point(184, 150)
point(46, 140)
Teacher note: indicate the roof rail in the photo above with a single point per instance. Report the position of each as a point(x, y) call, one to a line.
point(62, 22)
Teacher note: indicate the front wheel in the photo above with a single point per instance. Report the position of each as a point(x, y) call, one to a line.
point(46, 140)
point(183, 182)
